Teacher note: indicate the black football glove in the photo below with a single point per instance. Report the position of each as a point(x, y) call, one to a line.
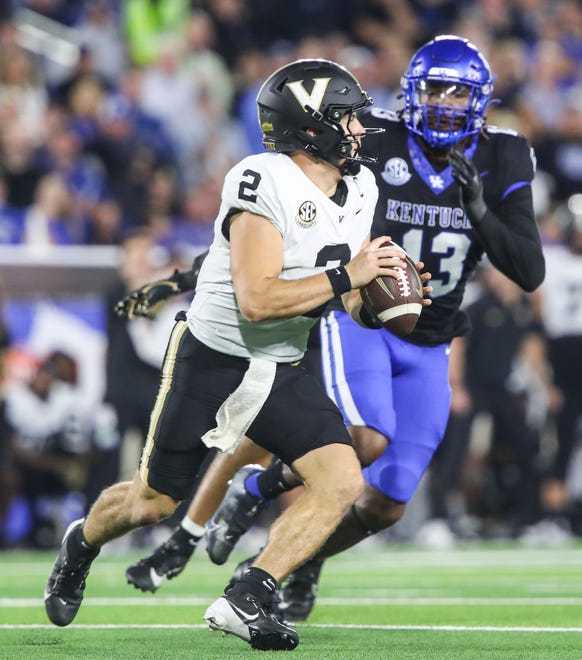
point(469, 180)
point(146, 301)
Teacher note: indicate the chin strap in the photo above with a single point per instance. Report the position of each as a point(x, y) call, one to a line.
point(350, 168)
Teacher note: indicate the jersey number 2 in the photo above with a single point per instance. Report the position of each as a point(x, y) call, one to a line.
point(247, 188)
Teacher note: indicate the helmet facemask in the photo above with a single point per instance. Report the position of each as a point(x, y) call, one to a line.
point(333, 143)
point(444, 124)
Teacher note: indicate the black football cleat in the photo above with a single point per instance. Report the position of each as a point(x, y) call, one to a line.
point(63, 594)
point(298, 592)
point(166, 561)
point(273, 607)
point(234, 516)
point(244, 617)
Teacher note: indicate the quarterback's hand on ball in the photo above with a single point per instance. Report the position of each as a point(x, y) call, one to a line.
point(375, 260)
point(467, 176)
point(146, 301)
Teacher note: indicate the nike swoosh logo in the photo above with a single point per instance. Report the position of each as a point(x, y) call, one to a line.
point(211, 526)
point(245, 615)
point(385, 288)
point(47, 595)
point(156, 579)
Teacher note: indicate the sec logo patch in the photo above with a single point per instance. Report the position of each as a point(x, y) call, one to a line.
point(306, 215)
point(396, 172)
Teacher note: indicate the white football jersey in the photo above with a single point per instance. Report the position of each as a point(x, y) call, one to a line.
point(562, 292)
point(317, 235)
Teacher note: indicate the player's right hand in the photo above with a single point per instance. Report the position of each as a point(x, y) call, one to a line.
point(146, 301)
point(374, 260)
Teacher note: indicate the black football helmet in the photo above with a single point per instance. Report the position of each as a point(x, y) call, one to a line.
point(312, 95)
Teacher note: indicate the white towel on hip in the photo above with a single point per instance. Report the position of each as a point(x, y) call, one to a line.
point(237, 413)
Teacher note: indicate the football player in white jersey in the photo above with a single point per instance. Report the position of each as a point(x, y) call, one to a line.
point(292, 233)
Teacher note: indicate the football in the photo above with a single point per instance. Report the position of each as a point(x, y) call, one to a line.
point(395, 303)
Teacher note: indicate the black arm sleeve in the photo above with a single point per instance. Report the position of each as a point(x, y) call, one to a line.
point(187, 280)
point(511, 240)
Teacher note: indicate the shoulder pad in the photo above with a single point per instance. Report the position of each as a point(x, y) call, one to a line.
point(384, 113)
point(504, 131)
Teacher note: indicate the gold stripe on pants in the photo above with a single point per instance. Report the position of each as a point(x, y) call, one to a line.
point(166, 382)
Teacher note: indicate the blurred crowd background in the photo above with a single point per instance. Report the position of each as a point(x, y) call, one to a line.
point(118, 121)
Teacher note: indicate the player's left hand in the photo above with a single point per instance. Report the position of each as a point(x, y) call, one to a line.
point(146, 301)
point(467, 176)
point(425, 277)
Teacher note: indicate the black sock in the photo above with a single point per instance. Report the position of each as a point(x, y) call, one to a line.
point(77, 543)
point(271, 483)
point(183, 537)
point(257, 582)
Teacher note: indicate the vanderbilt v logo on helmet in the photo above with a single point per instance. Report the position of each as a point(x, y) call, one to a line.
point(300, 107)
point(313, 100)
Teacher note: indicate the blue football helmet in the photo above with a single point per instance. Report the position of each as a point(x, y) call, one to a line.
point(453, 63)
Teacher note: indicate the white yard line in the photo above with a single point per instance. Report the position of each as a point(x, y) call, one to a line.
point(189, 601)
point(509, 629)
point(518, 559)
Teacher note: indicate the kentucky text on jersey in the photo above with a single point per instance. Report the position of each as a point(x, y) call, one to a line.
point(420, 209)
point(426, 214)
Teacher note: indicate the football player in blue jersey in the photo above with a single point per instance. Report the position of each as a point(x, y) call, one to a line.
point(451, 188)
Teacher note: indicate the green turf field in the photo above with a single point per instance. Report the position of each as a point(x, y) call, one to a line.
point(474, 602)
